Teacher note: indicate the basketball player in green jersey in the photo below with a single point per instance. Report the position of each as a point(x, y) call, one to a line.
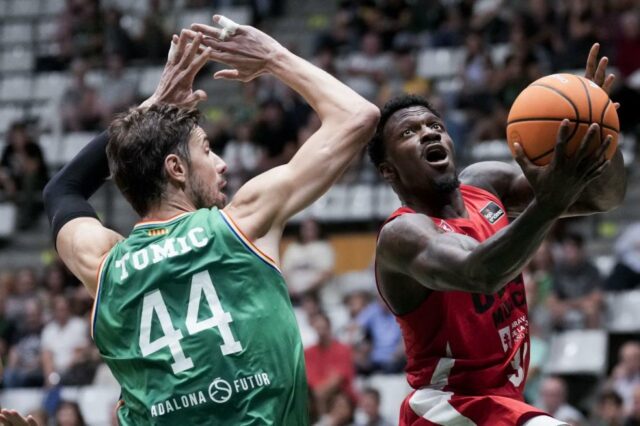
point(191, 312)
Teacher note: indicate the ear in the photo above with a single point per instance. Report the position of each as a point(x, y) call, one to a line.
point(387, 171)
point(175, 169)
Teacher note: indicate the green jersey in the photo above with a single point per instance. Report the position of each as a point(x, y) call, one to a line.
point(196, 325)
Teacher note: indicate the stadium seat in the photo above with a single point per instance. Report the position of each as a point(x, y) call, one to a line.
point(51, 149)
point(16, 88)
point(15, 33)
point(72, 143)
point(491, 150)
point(50, 85)
point(360, 202)
point(52, 7)
point(149, 78)
point(24, 8)
point(439, 63)
point(8, 217)
point(8, 115)
point(24, 400)
point(623, 314)
point(46, 30)
point(17, 59)
point(578, 352)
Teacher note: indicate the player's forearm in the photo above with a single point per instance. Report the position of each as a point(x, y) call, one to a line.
point(66, 194)
point(606, 192)
point(498, 260)
point(330, 98)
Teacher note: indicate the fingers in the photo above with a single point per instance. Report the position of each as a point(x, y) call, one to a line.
point(191, 51)
point(182, 43)
point(562, 138)
point(229, 27)
point(227, 75)
point(601, 151)
point(31, 421)
point(592, 61)
point(521, 158)
point(197, 97)
point(608, 83)
point(598, 78)
point(592, 133)
point(208, 31)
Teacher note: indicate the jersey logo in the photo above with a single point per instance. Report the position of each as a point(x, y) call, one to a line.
point(156, 232)
point(445, 226)
point(492, 212)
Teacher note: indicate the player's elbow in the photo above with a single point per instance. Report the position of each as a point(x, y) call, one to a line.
point(364, 120)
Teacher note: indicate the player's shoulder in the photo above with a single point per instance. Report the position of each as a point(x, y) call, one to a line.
point(495, 177)
point(404, 232)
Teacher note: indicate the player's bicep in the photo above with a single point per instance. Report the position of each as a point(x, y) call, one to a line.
point(82, 243)
point(414, 246)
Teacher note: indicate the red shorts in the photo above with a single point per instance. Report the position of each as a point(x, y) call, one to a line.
point(428, 407)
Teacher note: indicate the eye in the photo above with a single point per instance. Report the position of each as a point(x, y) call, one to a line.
point(437, 126)
point(407, 132)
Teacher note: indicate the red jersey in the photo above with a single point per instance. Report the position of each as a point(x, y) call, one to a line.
point(469, 345)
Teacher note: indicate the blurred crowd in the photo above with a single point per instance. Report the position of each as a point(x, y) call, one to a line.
point(375, 47)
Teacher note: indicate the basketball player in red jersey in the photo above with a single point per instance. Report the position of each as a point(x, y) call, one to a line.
point(448, 262)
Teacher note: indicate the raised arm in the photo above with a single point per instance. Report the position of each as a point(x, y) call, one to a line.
point(511, 185)
point(414, 246)
point(348, 121)
point(81, 239)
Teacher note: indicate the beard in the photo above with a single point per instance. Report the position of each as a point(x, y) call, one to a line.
point(202, 195)
point(446, 184)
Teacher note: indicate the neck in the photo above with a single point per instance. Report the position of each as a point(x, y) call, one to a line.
point(325, 342)
point(448, 205)
point(168, 209)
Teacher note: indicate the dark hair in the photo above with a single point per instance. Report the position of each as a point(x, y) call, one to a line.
point(76, 408)
point(373, 392)
point(575, 239)
point(610, 395)
point(376, 147)
point(139, 142)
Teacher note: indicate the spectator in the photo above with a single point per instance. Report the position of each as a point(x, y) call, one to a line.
point(340, 411)
point(576, 299)
point(80, 106)
point(68, 414)
point(61, 339)
point(626, 272)
point(116, 39)
point(7, 329)
point(24, 290)
point(23, 367)
point(628, 43)
point(118, 91)
point(366, 69)
point(387, 350)
point(79, 30)
point(369, 405)
point(355, 301)
point(308, 263)
point(275, 133)
point(609, 410)
point(329, 364)
point(152, 41)
point(406, 78)
point(476, 74)
point(242, 157)
point(634, 418)
point(625, 376)
point(553, 400)
point(25, 167)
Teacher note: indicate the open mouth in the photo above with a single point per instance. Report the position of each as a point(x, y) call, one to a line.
point(435, 153)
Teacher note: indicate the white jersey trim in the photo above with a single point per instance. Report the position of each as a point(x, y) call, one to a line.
point(544, 421)
point(433, 405)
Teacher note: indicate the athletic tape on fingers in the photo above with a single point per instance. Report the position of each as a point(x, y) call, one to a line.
point(229, 27)
point(172, 51)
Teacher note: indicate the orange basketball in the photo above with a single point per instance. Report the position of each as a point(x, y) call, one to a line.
point(537, 112)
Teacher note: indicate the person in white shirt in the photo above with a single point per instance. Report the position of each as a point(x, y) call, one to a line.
point(61, 338)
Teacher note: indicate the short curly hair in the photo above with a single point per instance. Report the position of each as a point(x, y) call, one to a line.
point(376, 147)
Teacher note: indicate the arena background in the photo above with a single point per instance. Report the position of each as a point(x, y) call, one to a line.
point(67, 66)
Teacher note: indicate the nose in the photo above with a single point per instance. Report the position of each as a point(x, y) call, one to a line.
point(427, 134)
point(221, 166)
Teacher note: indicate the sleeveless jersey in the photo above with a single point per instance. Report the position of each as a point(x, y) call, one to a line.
point(196, 325)
point(468, 344)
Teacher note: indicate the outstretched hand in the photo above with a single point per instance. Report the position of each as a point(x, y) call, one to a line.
point(559, 184)
point(596, 71)
point(246, 49)
point(13, 418)
point(184, 62)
